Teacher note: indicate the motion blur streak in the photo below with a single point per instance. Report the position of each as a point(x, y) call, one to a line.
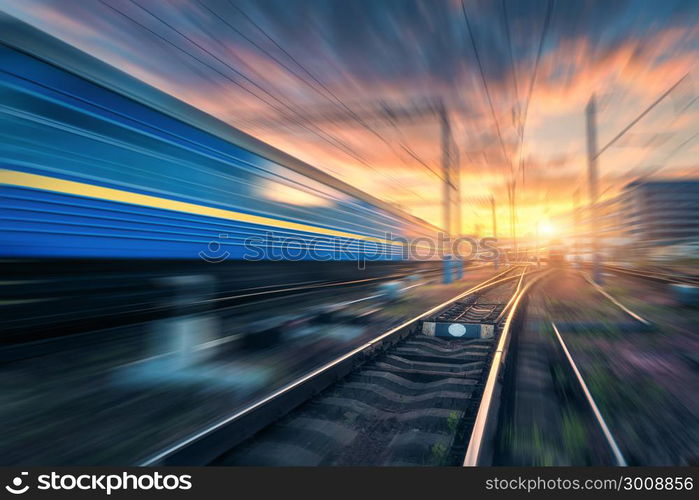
point(203, 200)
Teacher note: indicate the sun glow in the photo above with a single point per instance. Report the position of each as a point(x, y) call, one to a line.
point(546, 229)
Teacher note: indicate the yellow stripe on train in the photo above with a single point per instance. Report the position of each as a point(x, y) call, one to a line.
point(46, 183)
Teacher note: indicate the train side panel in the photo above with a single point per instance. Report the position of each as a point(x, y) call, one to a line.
point(88, 172)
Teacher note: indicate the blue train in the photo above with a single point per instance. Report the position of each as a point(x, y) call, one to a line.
point(107, 185)
point(98, 165)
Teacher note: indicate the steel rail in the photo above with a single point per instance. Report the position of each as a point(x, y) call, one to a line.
point(512, 299)
point(618, 457)
point(484, 416)
point(616, 302)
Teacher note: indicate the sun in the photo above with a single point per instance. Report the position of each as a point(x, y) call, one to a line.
point(546, 229)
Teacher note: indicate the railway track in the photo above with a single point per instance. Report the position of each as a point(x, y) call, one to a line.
point(549, 415)
point(415, 395)
point(583, 393)
point(575, 394)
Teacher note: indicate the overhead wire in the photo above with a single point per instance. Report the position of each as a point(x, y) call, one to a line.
point(319, 133)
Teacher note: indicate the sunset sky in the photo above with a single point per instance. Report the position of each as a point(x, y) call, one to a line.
point(246, 60)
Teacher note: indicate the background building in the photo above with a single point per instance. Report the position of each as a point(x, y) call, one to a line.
point(662, 212)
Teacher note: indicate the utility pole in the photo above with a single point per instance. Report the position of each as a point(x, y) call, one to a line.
point(457, 191)
point(536, 244)
point(576, 223)
point(511, 202)
point(592, 178)
point(446, 167)
point(456, 175)
point(495, 221)
point(448, 265)
point(495, 229)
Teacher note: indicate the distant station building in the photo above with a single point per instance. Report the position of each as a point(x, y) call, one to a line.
point(661, 212)
point(646, 218)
